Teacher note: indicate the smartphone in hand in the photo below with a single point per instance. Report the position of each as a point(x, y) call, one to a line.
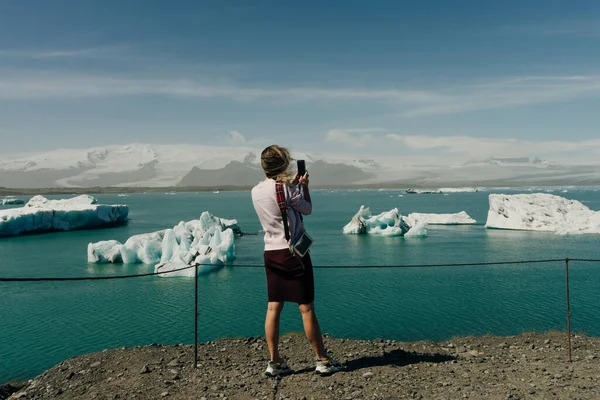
point(301, 168)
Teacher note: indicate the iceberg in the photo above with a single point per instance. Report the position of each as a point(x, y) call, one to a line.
point(358, 225)
point(417, 230)
point(144, 248)
point(212, 251)
point(11, 201)
point(208, 241)
point(442, 190)
point(107, 251)
point(541, 212)
point(461, 218)
point(388, 223)
point(458, 190)
point(43, 215)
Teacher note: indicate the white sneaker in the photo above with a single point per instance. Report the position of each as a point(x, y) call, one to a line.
point(277, 369)
point(328, 367)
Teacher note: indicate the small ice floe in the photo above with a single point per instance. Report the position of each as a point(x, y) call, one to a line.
point(461, 218)
point(442, 190)
point(388, 223)
point(11, 201)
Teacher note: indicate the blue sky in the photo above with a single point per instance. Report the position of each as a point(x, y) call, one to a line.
point(389, 77)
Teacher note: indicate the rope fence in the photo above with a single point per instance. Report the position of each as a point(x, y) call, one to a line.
point(195, 266)
point(474, 264)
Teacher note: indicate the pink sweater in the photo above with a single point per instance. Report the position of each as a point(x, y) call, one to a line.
point(265, 204)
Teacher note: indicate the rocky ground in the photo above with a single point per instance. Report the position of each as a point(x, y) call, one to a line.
point(528, 366)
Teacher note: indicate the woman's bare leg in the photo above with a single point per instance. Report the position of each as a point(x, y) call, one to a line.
point(312, 329)
point(272, 328)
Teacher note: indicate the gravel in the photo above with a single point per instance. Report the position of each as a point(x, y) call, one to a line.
point(528, 366)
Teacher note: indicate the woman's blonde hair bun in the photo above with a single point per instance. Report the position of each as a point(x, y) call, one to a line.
point(275, 161)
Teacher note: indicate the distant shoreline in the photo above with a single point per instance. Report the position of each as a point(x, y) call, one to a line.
point(182, 189)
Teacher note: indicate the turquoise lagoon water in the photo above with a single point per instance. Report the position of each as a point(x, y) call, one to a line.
point(46, 322)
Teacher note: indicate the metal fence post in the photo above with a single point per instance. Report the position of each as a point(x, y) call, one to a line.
point(196, 317)
point(568, 308)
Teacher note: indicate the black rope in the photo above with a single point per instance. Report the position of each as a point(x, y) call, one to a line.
point(97, 278)
point(439, 265)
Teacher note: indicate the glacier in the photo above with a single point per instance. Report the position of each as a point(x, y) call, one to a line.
point(208, 240)
point(388, 223)
point(541, 212)
point(460, 218)
point(164, 165)
point(11, 201)
point(43, 215)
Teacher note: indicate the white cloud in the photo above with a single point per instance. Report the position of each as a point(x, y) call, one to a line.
point(235, 138)
point(352, 137)
point(565, 28)
point(510, 93)
point(477, 147)
point(106, 52)
point(25, 85)
point(497, 94)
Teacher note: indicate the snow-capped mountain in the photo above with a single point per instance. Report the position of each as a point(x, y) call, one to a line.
point(512, 162)
point(131, 165)
point(148, 165)
point(162, 165)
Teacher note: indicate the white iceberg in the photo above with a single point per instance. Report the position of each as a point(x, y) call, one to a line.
point(461, 218)
point(388, 223)
point(144, 248)
point(106, 251)
point(212, 251)
point(417, 230)
point(541, 212)
point(442, 190)
point(43, 215)
point(357, 224)
point(207, 241)
point(11, 201)
point(458, 190)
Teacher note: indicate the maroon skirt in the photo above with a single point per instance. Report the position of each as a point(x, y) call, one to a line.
point(289, 278)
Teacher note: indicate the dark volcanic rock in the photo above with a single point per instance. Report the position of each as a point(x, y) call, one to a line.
point(9, 388)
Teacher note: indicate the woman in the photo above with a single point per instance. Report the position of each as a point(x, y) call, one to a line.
point(289, 277)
